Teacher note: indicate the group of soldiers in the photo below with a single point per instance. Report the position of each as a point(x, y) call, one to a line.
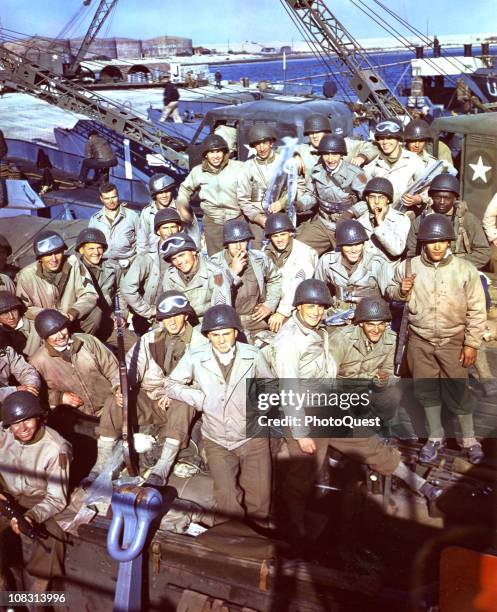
point(259, 299)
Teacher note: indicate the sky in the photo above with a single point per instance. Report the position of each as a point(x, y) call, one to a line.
point(211, 21)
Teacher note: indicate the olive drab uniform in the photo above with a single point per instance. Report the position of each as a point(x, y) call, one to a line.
point(296, 263)
point(300, 352)
point(349, 283)
point(331, 193)
point(217, 190)
point(241, 467)
point(446, 312)
point(389, 238)
point(70, 291)
point(23, 338)
point(470, 243)
point(205, 286)
point(15, 366)
point(354, 146)
point(253, 184)
point(36, 474)
point(259, 283)
point(149, 362)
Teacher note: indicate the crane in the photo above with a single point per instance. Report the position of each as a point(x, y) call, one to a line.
point(27, 77)
point(102, 13)
point(339, 46)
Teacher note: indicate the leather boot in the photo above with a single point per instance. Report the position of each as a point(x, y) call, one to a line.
point(160, 472)
point(105, 446)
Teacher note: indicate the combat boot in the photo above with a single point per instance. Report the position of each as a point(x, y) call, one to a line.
point(429, 452)
point(160, 472)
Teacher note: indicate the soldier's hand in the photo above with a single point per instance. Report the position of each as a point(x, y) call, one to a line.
point(380, 212)
point(411, 200)
point(407, 284)
point(358, 160)
point(381, 378)
point(31, 388)
point(260, 313)
point(239, 262)
point(260, 219)
point(276, 207)
point(307, 445)
point(15, 527)
point(119, 398)
point(164, 402)
point(2, 497)
point(276, 321)
point(468, 356)
point(71, 399)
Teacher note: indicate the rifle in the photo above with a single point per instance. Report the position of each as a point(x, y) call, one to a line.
point(402, 337)
point(340, 318)
point(278, 178)
point(10, 509)
point(423, 181)
point(128, 450)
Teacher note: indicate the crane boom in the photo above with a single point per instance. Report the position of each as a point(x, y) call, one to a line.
point(54, 89)
point(103, 11)
point(341, 48)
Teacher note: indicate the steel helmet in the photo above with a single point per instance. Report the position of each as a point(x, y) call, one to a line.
point(213, 142)
point(166, 215)
point(260, 132)
point(316, 123)
point(435, 227)
point(331, 143)
point(277, 222)
point(236, 230)
point(178, 243)
point(172, 303)
point(390, 128)
point(417, 129)
point(9, 301)
point(91, 234)
point(312, 291)
point(47, 242)
point(221, 317)
point(379, 185)
point(19, 406)
point(159, 183)
point(372, 309)
point(350, 232)
point(445, 182)
point(50, 321)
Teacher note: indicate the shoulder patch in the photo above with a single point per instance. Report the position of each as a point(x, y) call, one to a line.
point(362, 178)
point(218, 279)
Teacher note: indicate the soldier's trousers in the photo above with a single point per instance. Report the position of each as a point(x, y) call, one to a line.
point(42, 563)
point(242, 478)
point(174, 422)
point(213, 235)
point(315, 234)
point(492, 264)
point(439, 378)
point(304, 468)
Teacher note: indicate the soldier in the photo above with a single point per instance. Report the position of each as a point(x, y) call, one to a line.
point(142, 284)
point(34, 471)
point(17, 330)
point(162, 191)
point(366, 350)
point(6, 269)
point(14, 367)
point(255, 179)
point(256, 282)
point(295, 260)
point(333, 187)
point(386, 227)
point(490, 227)
point(204, 283)
point(315, 127)
point(216, 180)
point(57, 281)
point(470, 240)
point(78, 370)
point(353, 272)
point(119, 225)
point(151, 360)
point(446, 324)
point(91, 245)
point(240, 467)
point(301, 351)
point(417, 134)
point(401, 167)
